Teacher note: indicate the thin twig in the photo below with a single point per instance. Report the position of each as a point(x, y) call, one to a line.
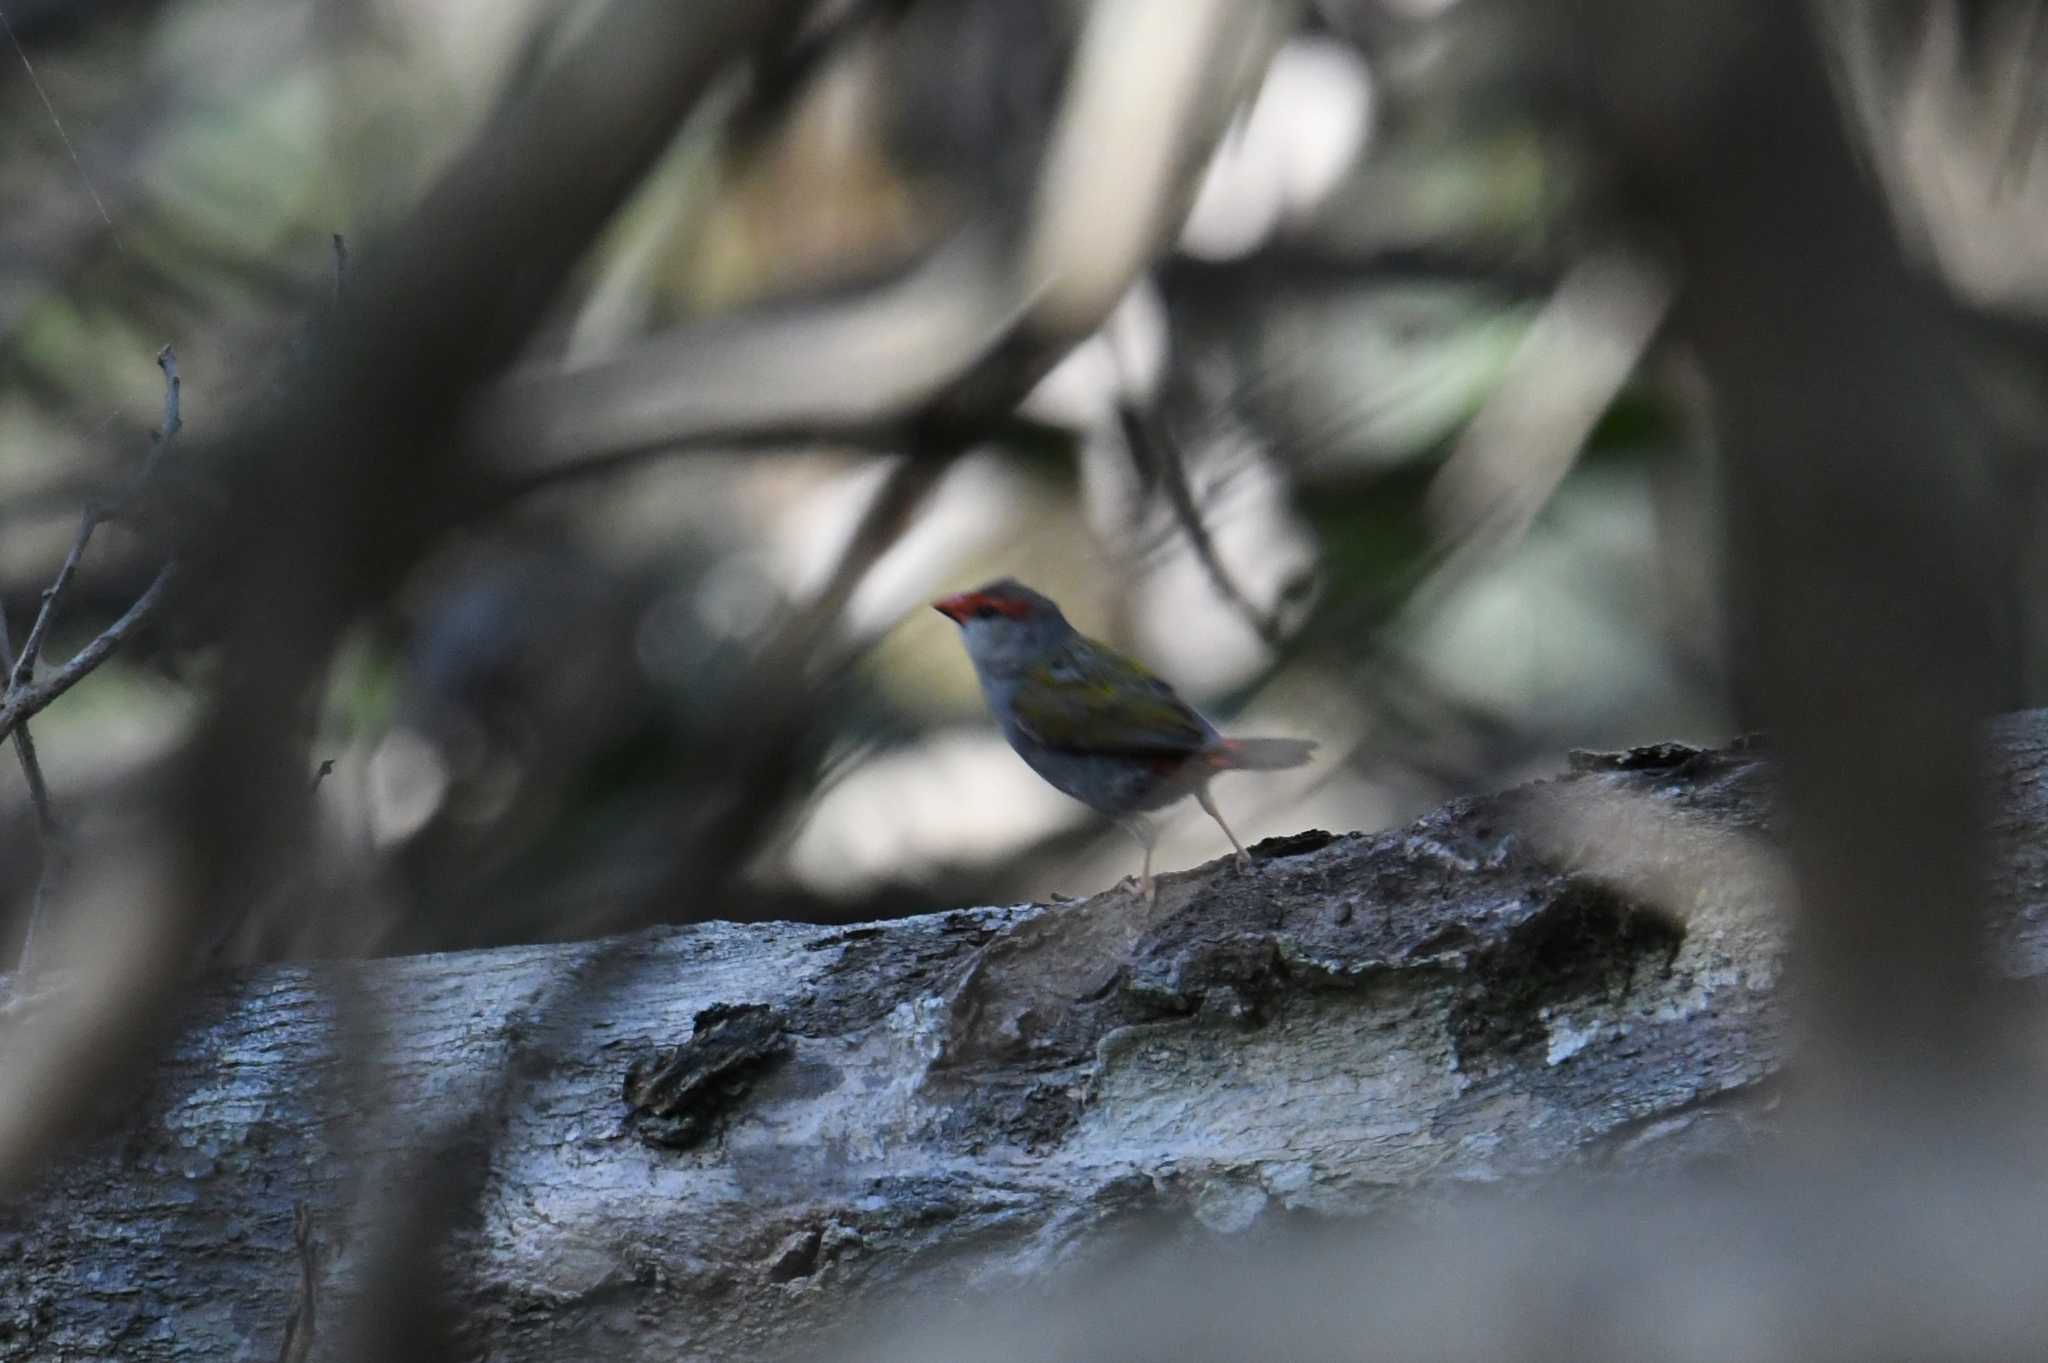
point(793, 669)
point(882, 523)
point(62, 136)
point(38, 791)
point(1157, 455)
point(24, 698)
point(22, 670)
point(456, 294)
point(24, 701)
point(174, 420)
point(24, 667)
point(298, 1327)
point(48, 834)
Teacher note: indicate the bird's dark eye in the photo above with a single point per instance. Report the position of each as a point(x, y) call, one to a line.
point(986, 612)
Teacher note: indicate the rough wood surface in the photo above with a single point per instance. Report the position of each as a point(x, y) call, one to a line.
point(1578, 974)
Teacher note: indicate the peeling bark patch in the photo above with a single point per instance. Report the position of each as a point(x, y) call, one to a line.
point(1034, 1116)
point(806, 1252)
point(1292, 844)
point(1585, 938)
point(678, 1093)
point(1653, 757)
point(1451, 937)
point(860, 934)
point(1735, 783)
point(796, 1256)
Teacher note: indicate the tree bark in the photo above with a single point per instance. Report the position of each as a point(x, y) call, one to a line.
point(729, 1141)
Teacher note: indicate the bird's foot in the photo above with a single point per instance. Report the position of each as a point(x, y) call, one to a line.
point(1144, 887)
point(1244, 862)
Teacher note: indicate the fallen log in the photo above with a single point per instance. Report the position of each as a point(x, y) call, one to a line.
point(729, 1141)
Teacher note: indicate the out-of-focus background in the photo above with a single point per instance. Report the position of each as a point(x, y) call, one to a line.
point(1383, 449)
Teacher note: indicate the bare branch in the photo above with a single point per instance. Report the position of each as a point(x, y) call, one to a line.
point(38, 791)
point(1155, 83)
point(24, 698)
point(298, 1327)
point(767, 753)
point(958, 337)
point(454, 294)
point(22, 672)
point(23, 702)
point(24, 666)
point(881, 437)
point(47, 831)
point(1567, 370)
point(1157, 454)
point(174, 421)
point(848, 368)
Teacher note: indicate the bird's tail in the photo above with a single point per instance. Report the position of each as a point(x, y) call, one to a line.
point(1263, 754)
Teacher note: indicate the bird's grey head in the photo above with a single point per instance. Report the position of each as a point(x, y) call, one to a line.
point(1006, 626)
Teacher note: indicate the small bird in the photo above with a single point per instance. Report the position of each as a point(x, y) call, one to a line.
point(1095, 724)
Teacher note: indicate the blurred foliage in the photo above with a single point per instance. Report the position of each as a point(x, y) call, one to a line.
point(524, 734)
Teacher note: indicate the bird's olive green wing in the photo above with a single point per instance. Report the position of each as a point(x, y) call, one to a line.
point(1087, 697)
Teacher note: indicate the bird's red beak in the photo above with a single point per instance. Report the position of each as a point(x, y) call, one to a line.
point(955, 608)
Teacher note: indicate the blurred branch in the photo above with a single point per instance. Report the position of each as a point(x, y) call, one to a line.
point(788, 74)
point(408, 1304)
point(954, 341)
point(1849, 432)
point(1574, 360)
point(851, 369)
point(1159, 461)
point(1155, 83)
point(1585, 344)
point(1233, 285)
point(888, 437)
point(765, 751)
point(435, 310)
point(927, 362)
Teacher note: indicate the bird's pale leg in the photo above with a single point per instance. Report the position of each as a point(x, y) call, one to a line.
point(1244, 858)
point(1142, 830)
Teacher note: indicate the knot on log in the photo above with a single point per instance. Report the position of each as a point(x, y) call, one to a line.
point(677, 1094)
